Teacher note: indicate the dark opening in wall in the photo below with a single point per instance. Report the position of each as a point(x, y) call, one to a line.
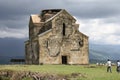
point(64, 29)
point(64, 59)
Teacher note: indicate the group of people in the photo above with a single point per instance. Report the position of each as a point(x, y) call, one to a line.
point(109, 64)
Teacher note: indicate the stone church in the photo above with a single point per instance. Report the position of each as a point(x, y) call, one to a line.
point(54, 38)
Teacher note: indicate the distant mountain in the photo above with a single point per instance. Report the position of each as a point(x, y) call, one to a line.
point(14, 48)
point(6, 59)
point(104, 52)
point(11, 48)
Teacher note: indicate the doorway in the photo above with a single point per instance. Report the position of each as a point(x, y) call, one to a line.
point(64, 59)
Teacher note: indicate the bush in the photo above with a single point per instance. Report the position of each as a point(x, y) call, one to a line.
point(4, 78)
point(27, 78)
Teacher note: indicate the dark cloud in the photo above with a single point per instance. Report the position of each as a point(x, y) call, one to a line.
point(27, 7)
point(95, 8)
point(87, 9)
point(114, 19)
point(15, 23)
point(83, 8)
point(15, 14)
point(14, 18)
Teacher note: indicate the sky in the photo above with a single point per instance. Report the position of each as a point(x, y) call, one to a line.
point(99, 19)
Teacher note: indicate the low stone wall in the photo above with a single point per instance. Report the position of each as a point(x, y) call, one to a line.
point(20, 75)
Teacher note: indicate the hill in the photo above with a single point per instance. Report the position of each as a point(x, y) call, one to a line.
point(97, 53)
point(103, 52)
point(6, 59)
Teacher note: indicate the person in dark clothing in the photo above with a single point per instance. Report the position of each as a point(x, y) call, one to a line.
point(118, 66)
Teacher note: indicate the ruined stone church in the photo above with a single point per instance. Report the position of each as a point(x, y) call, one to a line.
point(54, 38)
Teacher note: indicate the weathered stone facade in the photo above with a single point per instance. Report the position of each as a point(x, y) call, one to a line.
point(54, 38)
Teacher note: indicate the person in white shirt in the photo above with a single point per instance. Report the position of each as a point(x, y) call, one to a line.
point(118, 66)
point(109, 64)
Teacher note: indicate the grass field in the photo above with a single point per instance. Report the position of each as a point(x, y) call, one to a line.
point(91, 72)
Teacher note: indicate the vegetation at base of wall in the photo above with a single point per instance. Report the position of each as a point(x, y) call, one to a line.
point(85, 72)
point(27, 78)
point(4, 78)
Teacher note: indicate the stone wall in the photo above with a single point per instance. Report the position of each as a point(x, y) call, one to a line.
point(28, 75)
point(45, 27)
point(32, 52)
point(72, 44)
point(45, 53)
point(34, 29)
point(56, 41)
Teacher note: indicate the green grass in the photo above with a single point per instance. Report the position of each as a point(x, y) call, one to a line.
point(97, 73)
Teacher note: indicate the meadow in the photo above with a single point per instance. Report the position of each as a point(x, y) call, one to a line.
point(89, 72)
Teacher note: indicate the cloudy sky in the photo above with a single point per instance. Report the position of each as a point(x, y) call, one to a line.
point(99, 19)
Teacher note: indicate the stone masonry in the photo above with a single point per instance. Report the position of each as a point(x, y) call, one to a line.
point(54, 38)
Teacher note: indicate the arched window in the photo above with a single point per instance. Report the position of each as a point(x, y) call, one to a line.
point(63, 29)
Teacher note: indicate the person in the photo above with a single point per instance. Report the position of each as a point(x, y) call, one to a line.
point(109, 64)
point(118, 66)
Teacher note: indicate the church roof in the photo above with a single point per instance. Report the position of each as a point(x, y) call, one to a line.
point(62, 10)
point(35, 18)
point(47, 15)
